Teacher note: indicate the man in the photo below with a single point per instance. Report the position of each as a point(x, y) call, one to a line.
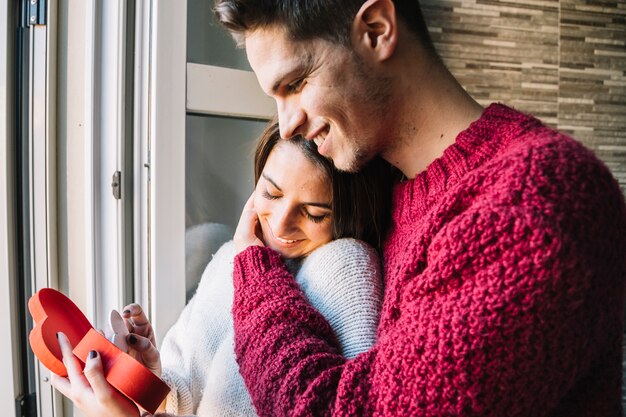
point(506, 261)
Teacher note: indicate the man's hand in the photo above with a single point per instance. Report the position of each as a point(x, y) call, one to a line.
point(248, 230)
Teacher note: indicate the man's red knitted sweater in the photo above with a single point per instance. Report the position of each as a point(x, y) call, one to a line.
point(505, 271)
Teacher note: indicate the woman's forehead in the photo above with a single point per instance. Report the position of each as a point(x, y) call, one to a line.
point(291, 156)
point(288, 164)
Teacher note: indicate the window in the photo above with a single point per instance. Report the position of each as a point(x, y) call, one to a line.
point(127, 140)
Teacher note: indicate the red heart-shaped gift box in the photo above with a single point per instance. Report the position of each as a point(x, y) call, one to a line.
point(53, 312)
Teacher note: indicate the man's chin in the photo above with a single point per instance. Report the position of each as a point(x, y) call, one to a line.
point(352, 166)
point(348, 170)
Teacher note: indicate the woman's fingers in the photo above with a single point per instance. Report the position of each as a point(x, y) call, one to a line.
point(247, 232)
point(163, 415)
point(250, 203)
point(62, 384)
point(149, 354)
point(106, 396)
point(71, 362)
point(142, 345)
point(95, 376)
point(135, 313)
point(137, 321)
point(90, 391)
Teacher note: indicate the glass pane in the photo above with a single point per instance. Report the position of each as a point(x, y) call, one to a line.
point(207, 42)
point(218, 181)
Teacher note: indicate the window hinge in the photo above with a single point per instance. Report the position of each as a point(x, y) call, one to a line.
point(117, 185)
point(35, 12)
point(26, 405)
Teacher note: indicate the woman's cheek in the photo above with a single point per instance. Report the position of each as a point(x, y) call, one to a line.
point(326, 232)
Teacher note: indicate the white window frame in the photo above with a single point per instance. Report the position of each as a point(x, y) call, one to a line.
point(161, 40)
point(41, 185)
point(167, 88)
point(110, 221)
point(10, 382)
point(42, 182)
point(94, 120)
point(217, 91)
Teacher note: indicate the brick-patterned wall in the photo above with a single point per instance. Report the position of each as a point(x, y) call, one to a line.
point(561, 60)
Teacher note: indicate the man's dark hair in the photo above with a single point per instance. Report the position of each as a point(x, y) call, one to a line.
point(330, 20)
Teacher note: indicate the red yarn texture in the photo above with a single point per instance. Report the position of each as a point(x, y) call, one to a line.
point(505, 273)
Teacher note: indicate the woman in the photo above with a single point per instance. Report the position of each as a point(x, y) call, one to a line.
point(306, 210)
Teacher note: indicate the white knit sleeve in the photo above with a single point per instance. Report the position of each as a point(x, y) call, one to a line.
point(189, 346)
point(179, 399)
point(343, 281)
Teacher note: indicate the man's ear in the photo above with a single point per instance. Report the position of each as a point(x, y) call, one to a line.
point(375, 30)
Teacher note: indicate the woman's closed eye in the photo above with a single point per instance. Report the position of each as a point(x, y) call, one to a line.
point(266, 194)
point(316, 218)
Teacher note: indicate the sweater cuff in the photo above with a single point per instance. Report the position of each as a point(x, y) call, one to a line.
point(179, 400)
point(255, 262)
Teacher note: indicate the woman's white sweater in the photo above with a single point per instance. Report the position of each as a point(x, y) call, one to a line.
point(341, 279)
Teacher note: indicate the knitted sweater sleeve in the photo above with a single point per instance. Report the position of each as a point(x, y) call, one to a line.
point(288, 354)
point(190, 344)
point(175, 366)
point(343, 281)
point(497, 327)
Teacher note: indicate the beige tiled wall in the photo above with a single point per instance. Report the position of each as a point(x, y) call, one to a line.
point(561, 60)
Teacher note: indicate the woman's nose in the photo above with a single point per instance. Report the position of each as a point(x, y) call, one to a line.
point(283, 222)
point(291, 117)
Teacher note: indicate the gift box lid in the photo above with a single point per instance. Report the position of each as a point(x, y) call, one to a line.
point(53, 312)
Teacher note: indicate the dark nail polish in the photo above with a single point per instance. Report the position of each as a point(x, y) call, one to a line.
point(127, 312)
point(93, 354)
point(132, 339)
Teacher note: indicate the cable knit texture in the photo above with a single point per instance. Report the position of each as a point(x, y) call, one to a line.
point(342, 279)
point(505, 275)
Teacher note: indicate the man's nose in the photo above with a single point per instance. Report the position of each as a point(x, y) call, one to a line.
point(291, 117)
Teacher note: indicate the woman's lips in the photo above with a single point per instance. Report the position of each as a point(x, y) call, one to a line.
point(285, 241)
point(282, 241)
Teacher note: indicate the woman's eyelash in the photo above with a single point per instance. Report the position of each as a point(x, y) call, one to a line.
point(309, 216)
point(269, 196)
point(316, 219)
